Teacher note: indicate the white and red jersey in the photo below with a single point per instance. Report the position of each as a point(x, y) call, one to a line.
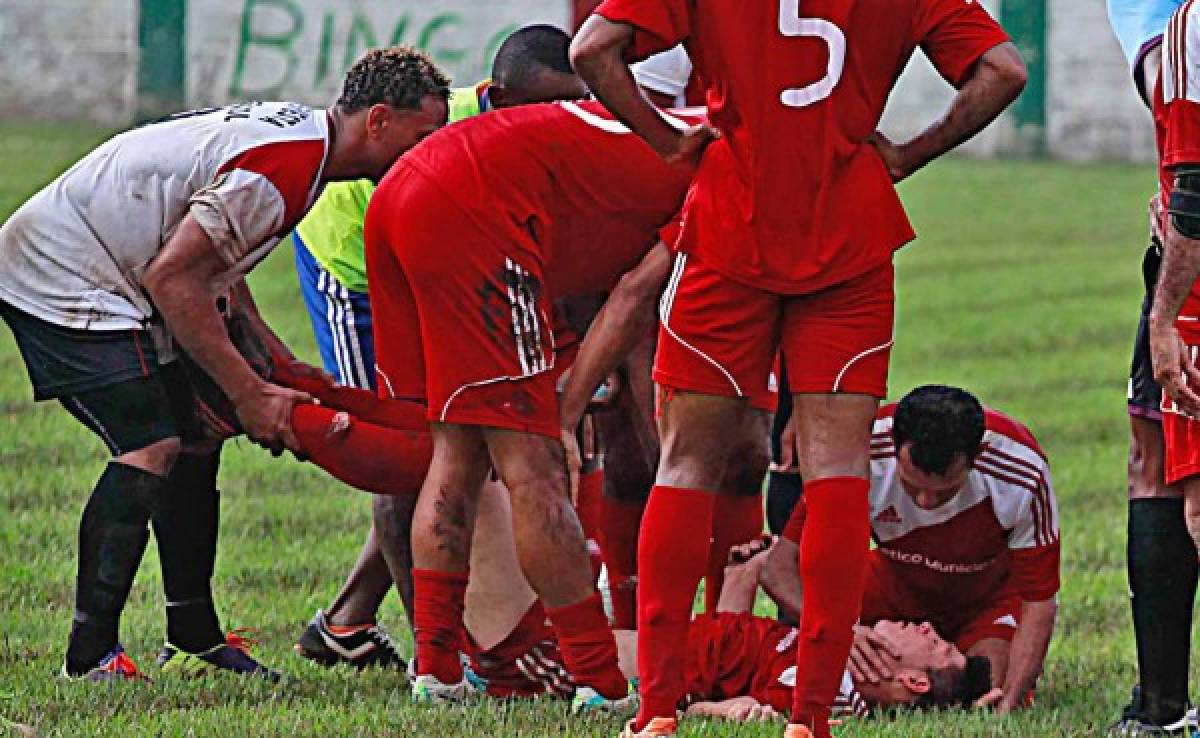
point(793, 198)
point(1177, 127)
point(74, 254)
point(999, 536)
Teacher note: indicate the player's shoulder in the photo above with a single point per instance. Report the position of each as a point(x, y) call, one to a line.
point(1009, 434)
point(1181, 54)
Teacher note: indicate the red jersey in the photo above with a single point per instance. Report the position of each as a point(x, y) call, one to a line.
point(792, 198)
point(741, 655)
point(1177, 127)
point(590, 193)
point(998, 536)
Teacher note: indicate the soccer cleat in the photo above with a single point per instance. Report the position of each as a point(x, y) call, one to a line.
point(797, 731)
point(656, 728)
point(587, 699)
point(361, 646)
point(233, 655)
point(428, 689)
point(116, 666)
point(1131, 724)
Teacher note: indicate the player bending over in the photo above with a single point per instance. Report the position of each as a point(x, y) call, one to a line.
point(965, 523)
point(545, 202)
point(111, 269)
point(530, 66)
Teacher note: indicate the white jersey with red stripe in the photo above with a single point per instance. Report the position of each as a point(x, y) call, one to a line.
point(74, 254)
point(998, 535)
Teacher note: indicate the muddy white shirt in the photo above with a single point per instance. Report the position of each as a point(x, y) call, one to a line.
point(74, 254)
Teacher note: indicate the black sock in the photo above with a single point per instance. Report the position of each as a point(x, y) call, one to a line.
point(112, 539)
point(1162, 578)
point(185, 528)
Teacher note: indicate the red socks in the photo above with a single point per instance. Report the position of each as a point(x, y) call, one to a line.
point(833, 557)
point(373, 458)
point(587, 506)
point(438, 621)
point(587, 646)
point(620, 521)
point(672, 556)
point(736, 519)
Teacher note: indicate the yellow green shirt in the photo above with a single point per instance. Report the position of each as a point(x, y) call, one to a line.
point(332, 231)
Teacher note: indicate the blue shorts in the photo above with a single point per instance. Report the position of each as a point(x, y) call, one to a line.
point(341, 321)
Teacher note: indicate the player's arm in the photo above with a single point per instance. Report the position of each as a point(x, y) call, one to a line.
point(624, 320)
point(243, 302)
point(780, 576)
point(180, 283)
point(992, 84)
point(742, 709)
point(1027, 655)
point(599, 54)
point(1173, 369)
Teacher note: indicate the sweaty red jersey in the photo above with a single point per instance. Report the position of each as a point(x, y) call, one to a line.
point(792, 198)
point(996, 538)
point(589, 192)
point(742, 655)
point(1177, 126)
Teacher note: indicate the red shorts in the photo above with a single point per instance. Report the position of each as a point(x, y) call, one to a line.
point(885, 599)
point(462, 319)
point(1181, 438)
point(721, 337)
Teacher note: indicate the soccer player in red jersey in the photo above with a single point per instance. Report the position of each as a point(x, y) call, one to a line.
point(787, 241)
point(1175, 315)
point(966, 525)
point(543, 202)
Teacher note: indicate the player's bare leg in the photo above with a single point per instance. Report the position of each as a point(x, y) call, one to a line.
point(364, 589)
point(694, 470)
point(833, 441)
point(441, 546)
point(393, 519)
point(554, 557)
point(1162, 569)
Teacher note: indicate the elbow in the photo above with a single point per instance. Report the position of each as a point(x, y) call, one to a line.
point(153, 280)
point(584, 52)
point(598, 43)
point(1009, 70)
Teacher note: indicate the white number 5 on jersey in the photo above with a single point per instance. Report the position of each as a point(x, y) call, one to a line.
point(790, 24)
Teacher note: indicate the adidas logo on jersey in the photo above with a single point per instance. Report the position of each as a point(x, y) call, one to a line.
point(889, 516)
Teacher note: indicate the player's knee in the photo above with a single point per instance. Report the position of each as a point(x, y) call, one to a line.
point(1145, 467)
point(157, 458)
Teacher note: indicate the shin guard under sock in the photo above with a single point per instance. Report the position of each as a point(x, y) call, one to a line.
point(672, 556)
point(373, 458)
point(737, 519)
point(1162, 579)
point(587, 646)
point(185, 529)
point(620, 521)
point(438, 598)
point(587, 507)
point(833, 557)
point(112, 538)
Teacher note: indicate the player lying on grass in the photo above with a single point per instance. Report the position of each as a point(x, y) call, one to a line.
point(530, 66)
point(965, 523)
point(738, 665)
point(545, 202)
point(112, 269)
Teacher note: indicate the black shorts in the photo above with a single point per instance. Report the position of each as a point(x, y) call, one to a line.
point(1144, 394)
point(109, 380)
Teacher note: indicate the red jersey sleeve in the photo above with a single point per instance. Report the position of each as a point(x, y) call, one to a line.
point(954, 34)
point(659, 24)
point(291, 167)
point(1035, 572)
point(1177, 95)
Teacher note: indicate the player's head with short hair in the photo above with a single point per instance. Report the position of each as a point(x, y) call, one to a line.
point(532, 66)
point(953, 687)
point(396, 97)
point(927, 670)
point(937, 431)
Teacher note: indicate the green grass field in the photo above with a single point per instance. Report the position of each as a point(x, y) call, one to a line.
point(1023, 287)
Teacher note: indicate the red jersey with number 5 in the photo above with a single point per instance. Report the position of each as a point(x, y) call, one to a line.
point(793, 198)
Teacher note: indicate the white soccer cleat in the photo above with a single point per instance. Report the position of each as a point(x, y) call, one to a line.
point(428, 689)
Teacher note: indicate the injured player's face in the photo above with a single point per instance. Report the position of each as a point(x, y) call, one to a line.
point(925, 658)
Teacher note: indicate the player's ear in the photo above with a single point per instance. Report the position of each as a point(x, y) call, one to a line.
point(499, 96)
point(379, 117)
point(916, 682)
